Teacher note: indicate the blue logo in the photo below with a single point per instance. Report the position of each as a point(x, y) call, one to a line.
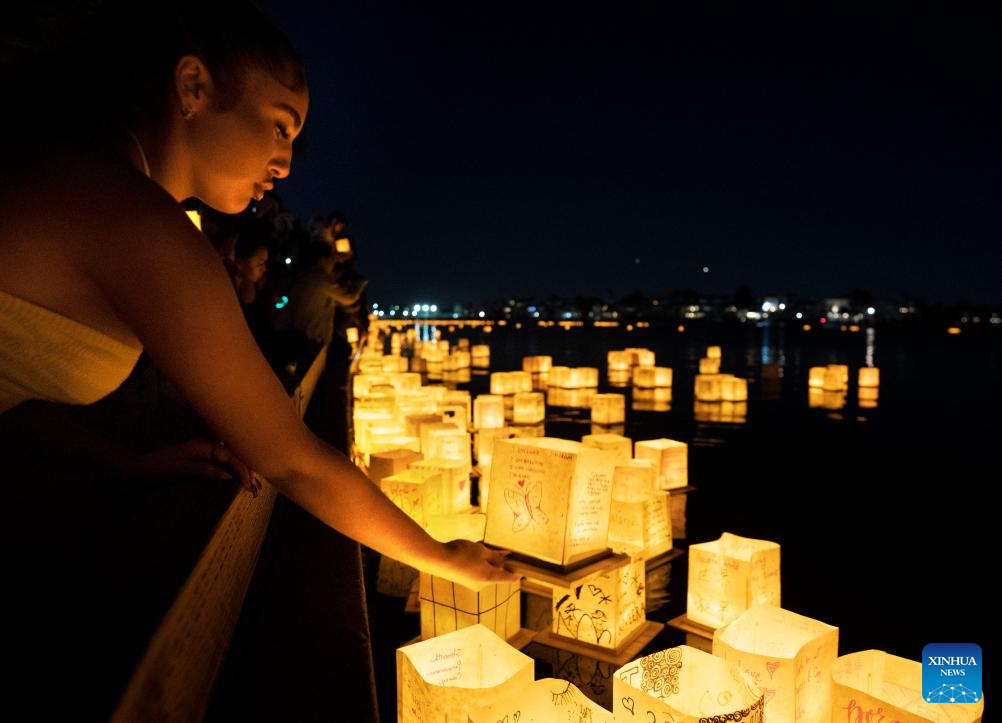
point(951, 672)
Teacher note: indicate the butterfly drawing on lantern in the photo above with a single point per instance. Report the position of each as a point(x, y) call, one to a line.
point(524, 504)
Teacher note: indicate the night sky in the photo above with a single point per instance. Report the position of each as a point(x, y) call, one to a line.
point(485, 151)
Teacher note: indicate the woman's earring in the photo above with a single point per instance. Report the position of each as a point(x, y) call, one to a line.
point(187, 113)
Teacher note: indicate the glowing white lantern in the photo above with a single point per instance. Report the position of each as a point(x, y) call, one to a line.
point(526, 431)
point(384, 443)
point(425, 430)
point(671, 458)
point(417, 492)
point(634, 477)
point(706, 411)
point(713, 352)
point(836, 378)
point(728, 576)
point(685, 685)
point(639, 523)
point(570, 398)
point(510, 382)
point(606, 609)
point(529, 408)
point(788, 655)
point(484, 444)
point(488, 411)
point(371, 362)
point(582, 377)
point(708, 387)
point(608, 409)
point(449, 444)
point(619, 360)
point(875, 686)
point(456, 360)
point(446, 606)
point(652, 400)
point(641, 357)
point(455, 481)
point(733, 389)
point(441, 679)
point(816, 377)
point(869, 377)
point(620, 446)
point(461, 376)
point(537, 364)
point(390, 462)
point(379, 431)
point(650, 377)
point(459, 397)
point(414, 422)
point(550, 499)
point(833, 400)
point(547, 699)
point(480, 355)
point(709, 366)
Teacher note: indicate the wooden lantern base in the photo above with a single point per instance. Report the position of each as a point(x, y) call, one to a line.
point(627, 650)
point(563, 576)
point(662, 558)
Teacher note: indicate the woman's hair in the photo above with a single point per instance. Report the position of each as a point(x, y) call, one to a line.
point(111, 67)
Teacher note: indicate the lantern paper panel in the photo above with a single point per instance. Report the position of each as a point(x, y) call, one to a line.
point(591, 676)
point(651, 377)
point(550, 499)
point(416, 401)
point(788, 655)
point(377, 431)
point(460, 376)
point(733, 389)
point(713, 352)
point(634, 478)
point(547, 700)
point(620, 446)
point(729, 575)
point(457, 526)
point(603, 609)
point(485, 440)
point(869, 377)
point(455, 490)
point(618, 361)
point(417, 492)
point(450, 444)
point(708, 387)
point(640, 525)
point(685, 685)
point(415, 421)
point(671, 457)
point(652, 400)
point(427, 429)
point(529, 408)
point(569, 398)
point(836, 378)
point(384, 443)
point(875, 686)
point(480, 355)
point(709, 366)
point(488, 411)
point(640, 357)
point(394, 363)
point(537, 364)
point(454, 414)
point(816, 377)
point(510, 382)
point(574, 377)
point(608, 408)
point(384, 464)
point(446, 606)
point(456, 360)
point(441, 679)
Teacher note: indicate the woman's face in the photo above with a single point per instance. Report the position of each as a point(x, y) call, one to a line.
point(253, 267)
point(237, 154)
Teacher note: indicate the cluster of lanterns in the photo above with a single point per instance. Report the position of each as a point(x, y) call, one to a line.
point(561, 505)
point(828, 387)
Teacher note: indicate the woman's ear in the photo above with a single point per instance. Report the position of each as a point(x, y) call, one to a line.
point(193, 84)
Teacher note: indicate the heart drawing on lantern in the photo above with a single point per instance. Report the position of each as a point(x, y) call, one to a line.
point(628, 704)
point(771, 667)
point(768, 694)
point(525, 505)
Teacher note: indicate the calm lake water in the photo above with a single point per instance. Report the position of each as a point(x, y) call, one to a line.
point(882, 513)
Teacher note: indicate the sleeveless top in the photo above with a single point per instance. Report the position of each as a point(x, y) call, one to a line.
point(45, 355)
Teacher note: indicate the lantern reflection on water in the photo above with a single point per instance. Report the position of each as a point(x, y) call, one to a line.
point(608, 408)
point(671, 458)
point(441, 679)
point(537, 364)
point(686, 685)
point(529, 408)
point(729, 575)
point(708, 387)
point(550, 499)
point(480, 355)
point(619, 361)
point(619, 378)
point(790, 656)
point(868, 397)
point(733, 389)
point(649, 377)
point(652, 400)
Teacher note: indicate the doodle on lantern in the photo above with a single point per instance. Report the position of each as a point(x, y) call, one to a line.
point(596, 591)
point(771, 668)
point(524, 504)
point(584, 672)
point(560, 697)
point(628, 704)
point(661, 673)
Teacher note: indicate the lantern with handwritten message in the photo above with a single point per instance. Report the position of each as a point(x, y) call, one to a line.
point(537, 364)
point(869, 377)
point(608, 409)
point(455, 482)
point(685, 685)
point(873, 686)
point(652, 400)
point(480, 355)
point(650, 377)
point(529, 408)
point(417, 492)
point(606, 609)
point(550, 499)
point(788, 655)
point(547, 699)
point(728, 576)
point(448, 444)
point(671, 458)
point(708, 387)
point(709, 366)
point(620, 446)
point(441, 679)
point(639, 523)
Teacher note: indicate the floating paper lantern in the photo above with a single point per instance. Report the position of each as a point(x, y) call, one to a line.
point(418, 401)
point(394, 364)
point(606, 609)
point(728, 576)
point(448, 444)
point(634, 477)
point(484, 444)
point(378, 431)
point(708, 387)
point(709, 366)
point(713, 352)
point(550, 499)
point(733, 389)
point(619, 360)
point(529, 408)
point(537, 364)
point(414, 422)
point(573, 377)
point(874, 686)
point(640, 357)
point(640, 523)
point(351, 334)
point(453, 414)
point(620, 446)
point(417, 492)
point(441, 679)
point(510, 382)
point(685, 685)
point(652, 400)
point(671, 458)
point(480, 355)
point(446, 606)
point(788, 655)
point(836, 378)
point(816, 377)
point(649, 377)
point(869, 377)
point(619, 377)
point(608, 409)
point(456, 360)
point(547, 699)
point(488, 411)
point(570, 398)
point(461, 376)
point(390, 462)
point(455, 483)
point(425, 430)
point(733, 412)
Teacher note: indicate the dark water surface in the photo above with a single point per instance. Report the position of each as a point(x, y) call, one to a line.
point(883, 514)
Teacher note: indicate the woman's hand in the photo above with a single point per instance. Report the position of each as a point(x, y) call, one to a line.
point(473, 565)
point(196, 458)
